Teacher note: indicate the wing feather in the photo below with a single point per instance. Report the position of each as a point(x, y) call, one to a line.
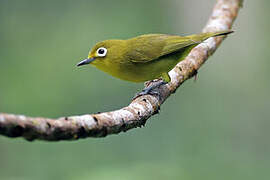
point(149, 47)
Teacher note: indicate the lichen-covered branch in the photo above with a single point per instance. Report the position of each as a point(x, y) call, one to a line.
point(138, 111)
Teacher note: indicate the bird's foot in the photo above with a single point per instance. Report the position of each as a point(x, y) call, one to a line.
point(147, 83)
point(195, 75)
point(145, 92)
point(150, 89)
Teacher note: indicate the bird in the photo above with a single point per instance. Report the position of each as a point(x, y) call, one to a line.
point(145, 57)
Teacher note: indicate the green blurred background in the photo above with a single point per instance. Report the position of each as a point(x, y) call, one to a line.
point(216, 128)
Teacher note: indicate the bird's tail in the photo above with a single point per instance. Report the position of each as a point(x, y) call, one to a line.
point(203, 36)
point(220, 33)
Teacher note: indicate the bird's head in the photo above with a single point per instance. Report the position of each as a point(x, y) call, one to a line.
point(104, 53)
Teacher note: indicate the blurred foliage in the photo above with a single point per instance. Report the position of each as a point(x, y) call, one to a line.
point(216, 128)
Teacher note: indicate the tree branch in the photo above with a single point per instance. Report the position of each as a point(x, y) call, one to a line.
point(139, 110)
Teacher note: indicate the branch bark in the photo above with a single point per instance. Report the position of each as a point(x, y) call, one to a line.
point(139, 110)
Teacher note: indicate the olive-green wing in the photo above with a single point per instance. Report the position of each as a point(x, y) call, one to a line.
point(149, 47)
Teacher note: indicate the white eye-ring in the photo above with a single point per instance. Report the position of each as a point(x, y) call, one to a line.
point(101, 52)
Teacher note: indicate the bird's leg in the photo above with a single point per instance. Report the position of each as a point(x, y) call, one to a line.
point(154, 84)
point(150, 89)
point(147, 83)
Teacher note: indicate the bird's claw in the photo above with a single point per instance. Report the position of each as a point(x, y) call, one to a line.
point(146, 92)
point(195, 75)
point(150, 90)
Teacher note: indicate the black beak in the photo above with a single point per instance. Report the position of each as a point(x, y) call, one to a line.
point(86, 61)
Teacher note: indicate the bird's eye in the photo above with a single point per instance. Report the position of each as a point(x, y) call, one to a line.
point(102, 51)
